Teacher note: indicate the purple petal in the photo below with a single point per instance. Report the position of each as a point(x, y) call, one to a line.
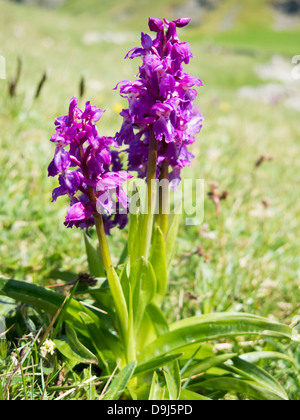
point(78, 212)
point(156, 25)
point(60, 163)
point(182, 22)
point(73, 105)
point(163, 130)
point(147, 42)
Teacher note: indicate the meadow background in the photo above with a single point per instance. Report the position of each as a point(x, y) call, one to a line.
point(247, 259)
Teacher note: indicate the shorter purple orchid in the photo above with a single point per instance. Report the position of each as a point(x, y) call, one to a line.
point(161, 101)
point(89, 171)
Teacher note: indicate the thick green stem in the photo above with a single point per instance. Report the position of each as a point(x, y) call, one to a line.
point(163, 215)
point(151, 187)
point(116, 291)
point(115, 286)
point(102, 241)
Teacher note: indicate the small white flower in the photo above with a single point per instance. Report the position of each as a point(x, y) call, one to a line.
point(48, 348)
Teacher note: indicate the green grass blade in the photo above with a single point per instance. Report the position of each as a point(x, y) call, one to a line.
point(119, 382)
point(156, 364)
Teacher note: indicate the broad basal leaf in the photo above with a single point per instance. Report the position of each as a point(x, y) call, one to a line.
point(213, 327)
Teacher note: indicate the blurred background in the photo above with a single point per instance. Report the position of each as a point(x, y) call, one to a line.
point(246, 54)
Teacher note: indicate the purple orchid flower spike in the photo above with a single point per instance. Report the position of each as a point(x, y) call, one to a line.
point(88, 169)
point(161, 101)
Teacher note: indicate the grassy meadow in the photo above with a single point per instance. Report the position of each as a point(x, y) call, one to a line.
point(245, 260)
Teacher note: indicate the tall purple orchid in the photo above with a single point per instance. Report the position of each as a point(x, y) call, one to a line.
point(89, 171)
point(161, 102)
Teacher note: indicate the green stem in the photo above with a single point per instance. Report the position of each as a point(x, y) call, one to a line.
point(102, 241)
point(115, 286)
point(148, 216)
point(163, 215)
point(116, 291)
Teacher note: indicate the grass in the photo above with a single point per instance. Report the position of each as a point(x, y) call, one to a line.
point(251, 253)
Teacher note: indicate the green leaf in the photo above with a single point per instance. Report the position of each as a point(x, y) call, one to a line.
point(157, 391)
point(72, 349)
point(213, 327)
point(207, 364)
point(7, 305)
point(45, 299)
point(173, 380)
point(257, 356)
point(119, 382)
point(187, 395)
point(171, 239)
point(94, 258)
point(143, 280)
point(51, 302)
point(126, 286)
point(145, 334)
point(156, 364)
point(250, 389)
point(135, 223)
point(197, 352)
point(159, 264)
point(102, 343)
point(124, 255)
point(257, 375)
point(158, 319)
point(120, 301)
point(134, 226)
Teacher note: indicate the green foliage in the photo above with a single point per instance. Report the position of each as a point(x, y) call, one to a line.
point(94, 259)
point(244, 250)
point(173, 376)
point(72, 349)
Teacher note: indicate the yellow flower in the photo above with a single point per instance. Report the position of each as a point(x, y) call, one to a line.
point(117, 108)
